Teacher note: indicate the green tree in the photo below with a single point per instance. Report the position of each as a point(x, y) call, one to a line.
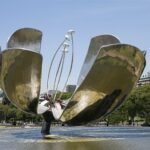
point(136, 105)
point(118, 116)
point(143, 94)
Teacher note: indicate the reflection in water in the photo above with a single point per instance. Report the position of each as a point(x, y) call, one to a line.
point(77, 138)
point(73, 146)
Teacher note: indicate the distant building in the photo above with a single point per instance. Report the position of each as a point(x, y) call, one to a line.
point(70, 88)
point(51, 92)
point(145, 79)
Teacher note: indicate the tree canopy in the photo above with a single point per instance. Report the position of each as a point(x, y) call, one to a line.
point(137, 105)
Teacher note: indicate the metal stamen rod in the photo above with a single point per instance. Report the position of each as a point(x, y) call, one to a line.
point(61, 65)
point(57, 72)
point(66, 45)
point(63, 59)
point(67, 37)
point(72, 60)
point(71, 31)
point(52, 63)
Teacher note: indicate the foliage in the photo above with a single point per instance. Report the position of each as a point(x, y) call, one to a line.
point(118, 116)
point(137, 105)
point(8, 112)
point(66, 95)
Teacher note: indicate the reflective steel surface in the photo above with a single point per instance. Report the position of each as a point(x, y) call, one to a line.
point(27, 38)
point(21, 76)
point(95, 44)
point(109, 72)
point(114, 73)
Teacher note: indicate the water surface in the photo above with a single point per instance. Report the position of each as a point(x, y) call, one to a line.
point(77, 138)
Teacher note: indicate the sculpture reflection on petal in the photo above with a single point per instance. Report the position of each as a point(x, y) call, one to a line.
point(21, 75)
point(21, 68)
point(27, 38)
point(111, 78)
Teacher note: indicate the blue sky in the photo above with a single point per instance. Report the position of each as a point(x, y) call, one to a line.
point(128, 20)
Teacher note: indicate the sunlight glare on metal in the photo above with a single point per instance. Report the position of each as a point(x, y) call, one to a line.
point(67, 37)
point(66, 47)
point(71, 31)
